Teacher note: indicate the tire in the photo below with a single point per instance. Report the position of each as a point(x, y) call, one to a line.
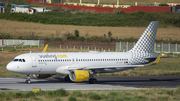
point(94, 81)
point(90, 81)
point(28, 81)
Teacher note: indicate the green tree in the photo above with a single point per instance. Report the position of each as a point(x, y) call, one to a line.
point(109, 34)
point(163, 5)
point(76, 33)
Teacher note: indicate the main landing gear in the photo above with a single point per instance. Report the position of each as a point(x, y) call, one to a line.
point(92, 80)
point(28, 80)
point(67, 79)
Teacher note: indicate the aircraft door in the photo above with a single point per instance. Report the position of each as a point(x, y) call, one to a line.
point(34, 61)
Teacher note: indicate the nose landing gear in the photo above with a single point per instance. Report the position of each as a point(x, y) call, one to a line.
point(28, 80)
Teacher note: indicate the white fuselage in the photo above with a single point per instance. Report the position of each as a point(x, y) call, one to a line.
point(47, 63)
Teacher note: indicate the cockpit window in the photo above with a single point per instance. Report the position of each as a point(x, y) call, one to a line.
point(15, 60)
point(20, 60)
point(23, 60)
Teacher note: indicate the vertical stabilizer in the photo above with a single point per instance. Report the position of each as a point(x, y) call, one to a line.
point(146, 41)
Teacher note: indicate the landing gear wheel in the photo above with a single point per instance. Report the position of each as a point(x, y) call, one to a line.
point(67, 79)
point(28, 81)
point(92, 81)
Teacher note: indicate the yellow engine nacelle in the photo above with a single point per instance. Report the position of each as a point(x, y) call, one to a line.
point(79, 75)
point(42, 75)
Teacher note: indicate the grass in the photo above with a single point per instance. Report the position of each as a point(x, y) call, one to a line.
point(151, 94)
point(166, 66)
point(31, 30)
point(139, 19)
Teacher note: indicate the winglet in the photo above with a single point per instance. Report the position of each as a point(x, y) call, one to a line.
point(157, 60)
point(45, 49)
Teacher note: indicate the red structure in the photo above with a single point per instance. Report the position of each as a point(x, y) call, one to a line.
point(111, 10)
point(2, 41)
point(78, 44)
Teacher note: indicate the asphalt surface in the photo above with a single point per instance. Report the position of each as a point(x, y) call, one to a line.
point(104, 83)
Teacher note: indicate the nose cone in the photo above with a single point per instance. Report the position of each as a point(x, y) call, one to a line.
point(9, 67)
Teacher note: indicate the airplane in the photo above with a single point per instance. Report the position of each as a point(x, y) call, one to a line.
point(81, 66)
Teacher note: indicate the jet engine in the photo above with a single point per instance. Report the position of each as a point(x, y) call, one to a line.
point(42, 75)
point(79, 75)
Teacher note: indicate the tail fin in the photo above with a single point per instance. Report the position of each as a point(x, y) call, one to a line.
point(146, 41)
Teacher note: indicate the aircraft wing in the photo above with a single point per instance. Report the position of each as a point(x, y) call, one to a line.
point(103, 67)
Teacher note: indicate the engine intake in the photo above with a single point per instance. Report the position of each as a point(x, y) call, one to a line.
point(79, 75)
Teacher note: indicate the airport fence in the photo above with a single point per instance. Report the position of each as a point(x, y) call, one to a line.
point(158, 47)
point(97, 46)
point(111, 46)
point(7, 42)
point(88, 45)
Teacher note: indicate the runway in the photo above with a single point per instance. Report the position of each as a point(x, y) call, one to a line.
point(104, 83)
